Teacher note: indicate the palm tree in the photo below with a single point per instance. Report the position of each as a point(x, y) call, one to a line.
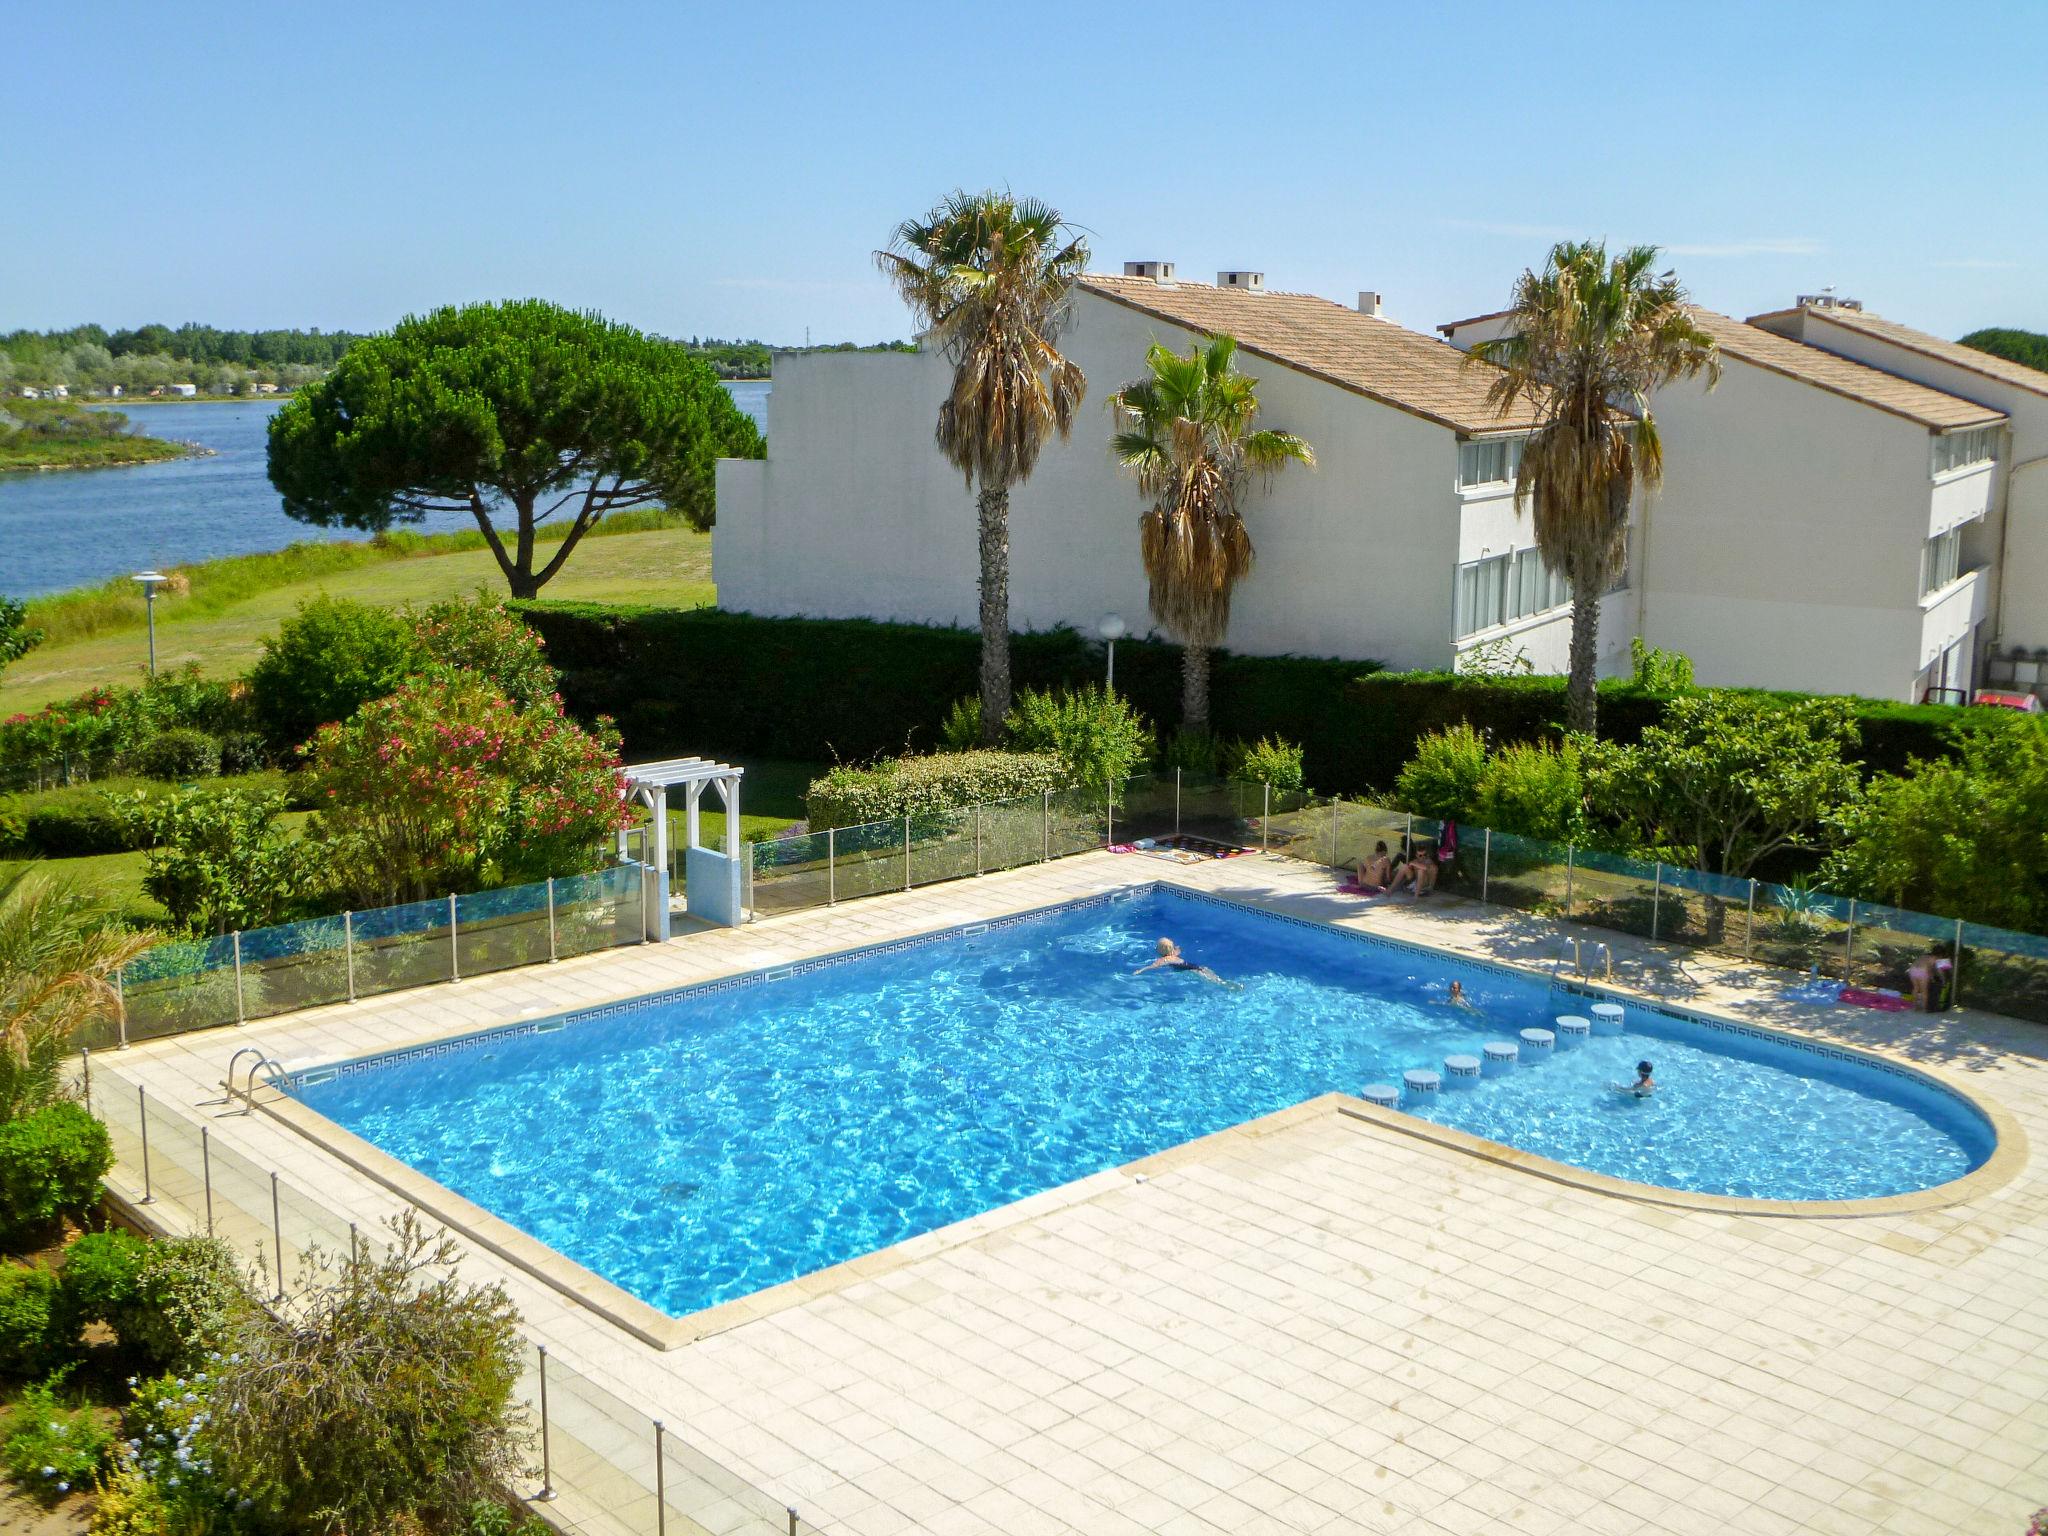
point(59, 952)
point(1185, 430)
point(1588, 339)
point(987, 277)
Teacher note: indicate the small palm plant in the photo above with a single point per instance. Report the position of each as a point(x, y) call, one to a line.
point(987, 277)
point(1588, 339)
point(59, 955)
point(1186, 431)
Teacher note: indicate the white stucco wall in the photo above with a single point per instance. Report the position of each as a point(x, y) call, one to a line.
point(1783, 550)
point(855, 514)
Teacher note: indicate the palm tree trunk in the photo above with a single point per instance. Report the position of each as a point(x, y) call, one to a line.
point(993, 505)
point(1194, 689)
point(1581, 700)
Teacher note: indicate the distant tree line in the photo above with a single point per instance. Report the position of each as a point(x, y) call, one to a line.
point(2027, 347)
point(754, 359)
point(90, 359)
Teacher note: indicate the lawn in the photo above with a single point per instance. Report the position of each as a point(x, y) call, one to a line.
point(669, 566)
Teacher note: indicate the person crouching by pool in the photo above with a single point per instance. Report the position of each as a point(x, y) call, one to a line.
point(1418, 873)
point(1170, 958)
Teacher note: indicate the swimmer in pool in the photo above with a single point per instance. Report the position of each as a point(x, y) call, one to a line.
point(1170, 958)
point(1643, 1086)
point(1457, 998)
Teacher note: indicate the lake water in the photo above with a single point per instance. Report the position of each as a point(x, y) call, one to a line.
point(74, 528)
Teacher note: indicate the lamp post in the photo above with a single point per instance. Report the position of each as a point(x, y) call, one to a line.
point(151, 580)
point(1111, 628)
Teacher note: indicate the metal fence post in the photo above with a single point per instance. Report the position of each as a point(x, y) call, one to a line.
point(85, 1065)
point(1176, 802)
point(1336, 807)
point(1485, 865)
point(240, 1012)
point(206, 1174)
point(660, 1484)
point(551, 919)
point(547, 1469)
point(454, 953)
point(1571, 859)
point(1266, 819)
point(1656, 899)
point(1955, 973)
point(1849, 946)
point(977, 837)
point(277, 1232)
point(792, 1518)
point(1109, 809)
point(906, 852)
point(142, 1113)
point(650, 877)
point(1749, 928)
point(121, 1003)
point(1044, 826)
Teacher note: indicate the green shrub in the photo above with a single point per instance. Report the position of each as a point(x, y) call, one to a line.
point(960, 731)
point(1098, 738)
point(220, 860)
point(325, 663)
point(33, 1321)
point(178, 754)
point(102, 1271)
point(485, 639)
point(1534, 789)
point(1657, 670)
point(913, 786)
point(243, 752)
point(132, 1503)
point(1195, 753)
point(51, 1163)
point(188, 1302)
point(50, 1450)
point(74, 823)
point(1269, 760)
point(166, 1482)
point(1442, 779)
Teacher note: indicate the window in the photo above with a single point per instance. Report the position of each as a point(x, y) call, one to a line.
point(1490, 461)
point(1958, 450)
point(1941, 561)
point(1503, 588)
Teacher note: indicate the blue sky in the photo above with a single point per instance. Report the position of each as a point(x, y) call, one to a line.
point(726, 170)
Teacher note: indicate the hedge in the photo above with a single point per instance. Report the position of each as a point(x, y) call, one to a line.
point(704, 681)
point(849, 796)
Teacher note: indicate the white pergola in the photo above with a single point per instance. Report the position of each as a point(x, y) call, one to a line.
point(710, 873)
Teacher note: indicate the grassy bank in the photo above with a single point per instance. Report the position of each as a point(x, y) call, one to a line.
point(59, 434)
point(227, 607)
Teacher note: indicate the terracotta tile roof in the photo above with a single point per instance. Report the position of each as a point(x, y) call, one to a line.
point(1838, 375)
point(1904, 336)
point(1365, 354)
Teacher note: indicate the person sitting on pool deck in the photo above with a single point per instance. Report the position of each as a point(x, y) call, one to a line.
point(1419, 873)
point(1376, 869)
point(1171, 959)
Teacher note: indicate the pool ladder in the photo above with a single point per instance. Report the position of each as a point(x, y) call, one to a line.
point(248, 1088)
point(1578, 954)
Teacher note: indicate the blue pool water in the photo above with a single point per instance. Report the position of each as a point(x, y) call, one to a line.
point(701, 1147)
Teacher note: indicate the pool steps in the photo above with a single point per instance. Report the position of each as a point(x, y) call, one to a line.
point(1499, 1057)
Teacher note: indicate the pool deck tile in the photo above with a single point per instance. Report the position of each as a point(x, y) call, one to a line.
point(1318, 1324)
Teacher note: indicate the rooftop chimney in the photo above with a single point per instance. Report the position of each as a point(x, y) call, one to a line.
point(1368, 302)
point(1251, 282)
point(1827, 298)
point(1158, 271)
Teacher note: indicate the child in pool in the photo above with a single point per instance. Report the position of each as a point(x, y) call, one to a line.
point(1643, 1086)
point(1170, 958)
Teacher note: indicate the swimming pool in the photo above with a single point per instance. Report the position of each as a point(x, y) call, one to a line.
point(702, 1146)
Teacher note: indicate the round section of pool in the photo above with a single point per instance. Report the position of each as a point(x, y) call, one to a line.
point(702, 1146)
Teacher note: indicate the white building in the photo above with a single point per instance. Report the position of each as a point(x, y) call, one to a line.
point(1402, 545)
point(1823, 524)
point(186, 390)
point(2011, 545)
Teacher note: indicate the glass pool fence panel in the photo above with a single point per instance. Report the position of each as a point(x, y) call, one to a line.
point(708, 1497)
point(184, 984)
point(597, 911)
point(1077, 821)
point(1801, 929)
point(497, 930)
point(1702, 910)
point(1527, 874)
point(404, 946)
point(600, 1451)
point(294, 965)
point(789, 874)
point(941, 845)
point(1144, 809)
point(1888, 942)
point(867, 859)
point(1613, 892)
point(1013, 833)
point(2004, 972)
